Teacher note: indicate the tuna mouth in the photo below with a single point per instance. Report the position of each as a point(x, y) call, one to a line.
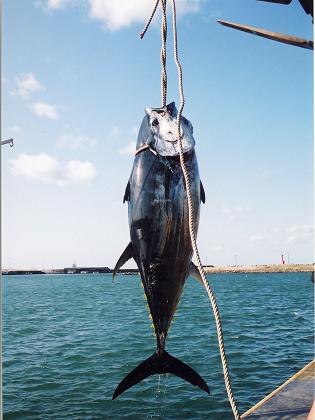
point(170, 138)
point(176, 158)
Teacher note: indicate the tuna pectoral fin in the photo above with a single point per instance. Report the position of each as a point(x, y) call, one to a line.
point(127, 193)
point(202, 193)
point(125, 256)
point(156, 364)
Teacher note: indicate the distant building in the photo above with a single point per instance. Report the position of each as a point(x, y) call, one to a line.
point(85, 270)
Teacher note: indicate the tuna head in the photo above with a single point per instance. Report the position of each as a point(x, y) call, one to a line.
point(159, 131)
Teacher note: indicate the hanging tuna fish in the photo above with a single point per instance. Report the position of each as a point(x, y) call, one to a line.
point(160, 239)
point(164, 193)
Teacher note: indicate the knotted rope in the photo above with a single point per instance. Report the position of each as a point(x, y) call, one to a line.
point(190, 202)
point(163, 48)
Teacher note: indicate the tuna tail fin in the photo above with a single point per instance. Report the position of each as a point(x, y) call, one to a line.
point(158, 364)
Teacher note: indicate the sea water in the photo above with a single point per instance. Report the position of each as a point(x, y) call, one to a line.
point(68, 340)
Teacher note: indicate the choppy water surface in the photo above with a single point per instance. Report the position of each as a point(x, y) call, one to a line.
point(69, 340)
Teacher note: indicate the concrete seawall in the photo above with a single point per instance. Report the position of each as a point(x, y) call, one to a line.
point(268, 268)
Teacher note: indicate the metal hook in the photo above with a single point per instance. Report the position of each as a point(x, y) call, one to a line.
point(9, 142)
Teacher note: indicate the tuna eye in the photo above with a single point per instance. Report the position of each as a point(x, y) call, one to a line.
point(155, 122)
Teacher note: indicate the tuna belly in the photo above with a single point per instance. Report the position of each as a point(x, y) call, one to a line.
point(163, 283)
point(163, 256)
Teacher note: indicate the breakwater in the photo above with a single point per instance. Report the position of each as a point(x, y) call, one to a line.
point(266, 268)
point(69, 270)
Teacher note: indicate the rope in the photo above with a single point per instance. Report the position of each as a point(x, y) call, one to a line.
point(191, 229)
point(149, 20)
point(163, 54)
point(191, 211)
point(163, 48)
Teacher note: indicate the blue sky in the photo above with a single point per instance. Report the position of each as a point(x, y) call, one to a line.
point(75, 82)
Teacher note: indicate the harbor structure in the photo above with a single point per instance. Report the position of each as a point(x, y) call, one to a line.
point(291, 400)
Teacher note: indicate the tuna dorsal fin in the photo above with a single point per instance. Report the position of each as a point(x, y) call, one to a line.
point(194, 272)
point(125, 256)
point(127, 192)
point(202, 193)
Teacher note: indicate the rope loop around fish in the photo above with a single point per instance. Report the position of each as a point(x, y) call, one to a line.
point(189, 196)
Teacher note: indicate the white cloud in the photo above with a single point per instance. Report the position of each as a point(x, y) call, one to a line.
point(235, 213)
point(117, 14)
point(26, 85)
point(307, 229)
point(75, 142)
point(44, 110)
point(301, 229)
point(292, 238)
point(189, 6)
point(48, 5)
point(129, 149)
point(56, 4)
point(47, 169)
point(256, 238)
point(292, 229)
point(34, 166)
point(299, 233)
point(80, 173)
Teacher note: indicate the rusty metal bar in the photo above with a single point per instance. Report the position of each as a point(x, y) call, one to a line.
point(275, 36)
